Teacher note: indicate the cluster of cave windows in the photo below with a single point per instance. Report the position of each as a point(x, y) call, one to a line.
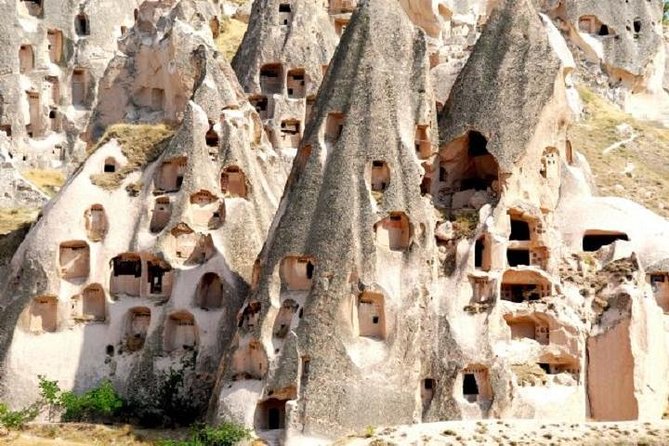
point(272, 78)
point(594, 240)
point(394, 232)
point(524, 248)
point(296, 83)
point(550, 164)
point(297, 273)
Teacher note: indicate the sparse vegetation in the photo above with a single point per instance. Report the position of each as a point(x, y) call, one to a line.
point(99, 403)
point(12, 219)
point(16, 419)
point(48, 181)
point(465, 223)
point(232, 33)
point(140, 143)
point(226, 434)
point(648, 182)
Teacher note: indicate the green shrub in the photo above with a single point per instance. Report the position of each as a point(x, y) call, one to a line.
point(100, 402)
point(16, 419)
point(227, 434)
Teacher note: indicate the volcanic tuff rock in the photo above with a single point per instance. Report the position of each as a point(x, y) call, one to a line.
point(54, 54)
point(153, 268)
point(281, 63)
point(321, 252)
point(439, 251)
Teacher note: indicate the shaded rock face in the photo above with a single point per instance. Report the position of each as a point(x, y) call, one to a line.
point(281, 63)
point(415, 273)
point(620, 52)
point(131, 281)
point(55, 53)
point(328, 305)
point(627, 39)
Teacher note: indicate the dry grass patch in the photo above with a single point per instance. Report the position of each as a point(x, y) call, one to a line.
point(140, 143)
point(648, 183)
point(232, 33)
point(529, 374)
point(12, 219)
point(75, 434)
point(48, 180)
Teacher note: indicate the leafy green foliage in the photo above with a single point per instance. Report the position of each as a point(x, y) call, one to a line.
point(16, 419)
point(227, 434)
point(100, 402)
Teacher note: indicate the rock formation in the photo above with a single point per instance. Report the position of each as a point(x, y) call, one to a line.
point(55, 54)
point(438, 252)
point(281, 63)
point(154, 261)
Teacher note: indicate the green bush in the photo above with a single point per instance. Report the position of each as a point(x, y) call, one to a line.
point(227, 434)
point(100, 402)
point(16, 419)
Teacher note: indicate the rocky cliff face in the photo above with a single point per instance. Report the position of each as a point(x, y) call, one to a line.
point(436, 251)
point(150, 212)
